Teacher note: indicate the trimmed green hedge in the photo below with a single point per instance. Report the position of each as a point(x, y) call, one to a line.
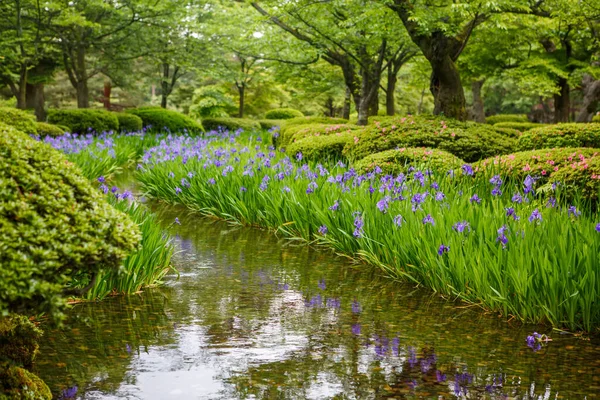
point(520, 126)
point(83, 120)
point(469, 141)
point(159, 118)
point(290, 134)
point(398, 160)
point(54, 226)
point(231, 124)
point(270, 123)
point(283, 113)
point(494, 119)
point(561, 135)
point(19, 119)
point(577, 168)
point(129, 122)
point(319, 148)
point(313, 120)
point(44, 129)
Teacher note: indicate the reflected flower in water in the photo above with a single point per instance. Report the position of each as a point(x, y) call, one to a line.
point(321, 284)
point(69, 393)
point(333, 303)
point(177, 221)
point(314, 302)
point(128, 348)
point(441, 377)
point(412, 356)
point(355, 307)
point(356, 329)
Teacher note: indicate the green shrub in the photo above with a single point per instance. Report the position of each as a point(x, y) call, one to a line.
point(398, 160)
point(54, 226)
point(290, 134)
point(17, 383)
point(596, 118)
point(283, 113)
point(494, 119)
point(231, 124)
point(319, 148)
point(520, 126)
point(577, 168)
point(83, 120)
point(159, 118)
point(270, 123)
point(129, 122)
point(312, 120)
point(21, 120)
point(44, 129)
point(512, 133)
point(19, 340)
point(469, 141)
point(561, 135)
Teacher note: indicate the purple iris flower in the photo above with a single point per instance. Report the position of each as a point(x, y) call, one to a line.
point(528, 184)
point(517, 198)
point(358, 226)
point(104, 188)
point(502, 235)
point(598, 227)
point(299, 156)
point(551, 202)
point(574, 211)
point(177, 190)
point(398, 219)
point(475, 199)
point(177, 221)
point(510, 212)
point(496, 180)
point(384, 204)
point(467, 170)
point(355, 307)
point(212, 181)
point(535, 215)
point(440, 196)
point(461, 226)
point(356, 329)
point(323, 230)
point(443, 249)
point(101, 179)
point(428, 220)
point(335, 206)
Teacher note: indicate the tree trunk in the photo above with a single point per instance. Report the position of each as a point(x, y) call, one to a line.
point(363, 112)
point(374, 104)
point(22, 89)
point(591, 97)
point(83, 94)
point(562, 102)
point(390, 98)
point(164, 86)
point(106, 94)
point(36, 100)
point(242, 93)
point(347, 100)
point(447, 90)
point(477, 112)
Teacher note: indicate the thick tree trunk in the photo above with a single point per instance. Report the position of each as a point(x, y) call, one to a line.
point(477, 112)
point(390, 98)
point(363, 112)
point(164, 86)
point(591, 97)
point(562, 102)
point(106, 94)
point(347, 100)
point(447, 90)
point(374, 104)
point(83, 94)
point(22, 88)
point(242, 93)
point(36, 100)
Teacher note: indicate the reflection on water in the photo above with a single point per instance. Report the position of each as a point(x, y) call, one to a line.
point(255, 317)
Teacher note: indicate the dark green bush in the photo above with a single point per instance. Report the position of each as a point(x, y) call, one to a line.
point(561, 135)
point(290, 134)
point(283, 113)
point(21, 120)
point(398, 160)
point(83, 120)
point(494, 119)
point(54, 225)
point(469, 141)
point(577, 168)
point(129, 122)
point(319, 148)
point(520, 126)
point(270, 123)
point(44, 129)
point(159, 118)
point(231, 124)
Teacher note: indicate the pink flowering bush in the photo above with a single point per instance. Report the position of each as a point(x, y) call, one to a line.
point(560, 135)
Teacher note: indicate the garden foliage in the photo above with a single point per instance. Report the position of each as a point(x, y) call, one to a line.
point(283, 113)
point(494, 119)
point(398, 161)
point(21, 120)
point(320, 148)
point(44, 129)
point(520, 126)
point(290, 134)
point(270, 123)
point(561, 135)
point(81, 120)
point(159, 119)
point(129, 122)
point(232, 124)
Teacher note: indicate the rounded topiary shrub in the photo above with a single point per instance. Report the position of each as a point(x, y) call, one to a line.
point(312, 120)
point(231, 124)
point(469, 141)
point(44, 129)
point(83, 120)
point(319, 148)
point(129, 122)
point(54, 226)
point(158, 118)
point(494, 119)
point(520, 126)
point(271, 123)
point(577, 168)
point(561, 135)
point(21, 120)
point(283, 113)
point(291, 134)
point(399, 160)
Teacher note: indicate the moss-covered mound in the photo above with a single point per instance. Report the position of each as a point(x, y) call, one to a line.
point(129, 122)
point(159, 118)
point(231, 124)
point(18, 119)
point(53, 225)
point(561, 135)
point(469, 141)
point(18, 340)
point(283, 113)
point(319, 148)
point(313, 120)
point(577, 169)
point(44, 129)
point(17, 383)
point(83, 120)
point(520, 126)
point(291, 134)
point(494, 119)
point(399, 160)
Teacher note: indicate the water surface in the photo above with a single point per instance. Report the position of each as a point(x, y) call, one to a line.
point(253, 316)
